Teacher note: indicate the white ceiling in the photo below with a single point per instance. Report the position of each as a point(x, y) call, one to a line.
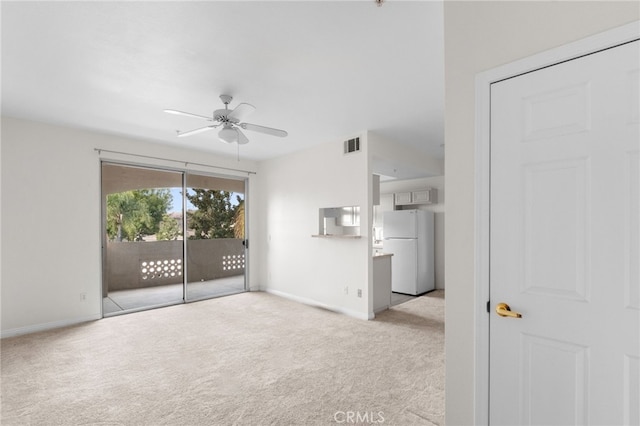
point(320, 70)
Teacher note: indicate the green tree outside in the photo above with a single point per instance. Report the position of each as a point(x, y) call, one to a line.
point(131, 215)
point(169, 229)
point(215, 215)
point(158, 202)
point(238, 225)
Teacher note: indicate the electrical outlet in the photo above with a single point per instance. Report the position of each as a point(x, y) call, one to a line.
point(346, 289)
point(359, 292)
point(83, 297)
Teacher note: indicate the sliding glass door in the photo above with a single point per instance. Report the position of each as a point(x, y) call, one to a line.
point(148, 259)
point(215, 244)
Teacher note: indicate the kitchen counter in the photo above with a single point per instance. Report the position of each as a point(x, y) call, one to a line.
point(376, 255)
point(344, 236)
point(381, 281)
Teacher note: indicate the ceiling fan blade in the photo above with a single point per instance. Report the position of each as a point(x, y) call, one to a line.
point(195, 131)
point(187, 114)
point(240, 112)
point(242, 138)
point(262, 129)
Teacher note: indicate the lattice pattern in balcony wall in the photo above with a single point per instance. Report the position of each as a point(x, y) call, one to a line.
point(230, 262)
point(163, 268)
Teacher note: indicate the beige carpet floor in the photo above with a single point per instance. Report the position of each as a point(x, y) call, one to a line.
point(247, 359)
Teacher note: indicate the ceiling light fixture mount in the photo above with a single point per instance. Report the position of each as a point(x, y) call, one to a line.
point(379, 2)
point(226, 100)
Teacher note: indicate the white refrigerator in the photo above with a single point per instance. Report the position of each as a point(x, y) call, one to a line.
point(409, 235)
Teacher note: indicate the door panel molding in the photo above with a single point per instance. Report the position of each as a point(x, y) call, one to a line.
point(573, 359)
point(551, 180)
point(608, 39)
point(631, 413)
point(539, 123)
point(632, 249)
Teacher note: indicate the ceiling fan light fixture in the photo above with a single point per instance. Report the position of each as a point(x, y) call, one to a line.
point(228, 134)
point(231, 121)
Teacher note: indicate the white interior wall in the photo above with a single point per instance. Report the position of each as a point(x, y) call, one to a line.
point(294, 264)
point(51, 225)
point(1, 227)
point(437, 182)
point(480, 36)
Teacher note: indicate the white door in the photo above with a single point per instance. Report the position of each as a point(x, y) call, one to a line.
point(565, 209)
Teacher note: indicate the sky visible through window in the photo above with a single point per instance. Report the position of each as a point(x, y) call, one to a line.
point(176, 206)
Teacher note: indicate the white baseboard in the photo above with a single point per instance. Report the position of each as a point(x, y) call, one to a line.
point(311, 302)
point(47, 326)
point(68, 322)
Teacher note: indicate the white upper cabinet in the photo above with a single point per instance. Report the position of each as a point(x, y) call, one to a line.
point(427, 196)
point(402, 198)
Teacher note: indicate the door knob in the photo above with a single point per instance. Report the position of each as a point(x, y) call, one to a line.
point(504, 310)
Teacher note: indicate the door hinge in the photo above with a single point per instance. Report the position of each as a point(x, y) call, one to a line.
point(488, 306)
point(245, 243)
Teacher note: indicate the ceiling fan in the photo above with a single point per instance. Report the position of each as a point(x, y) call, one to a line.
point(231, 122)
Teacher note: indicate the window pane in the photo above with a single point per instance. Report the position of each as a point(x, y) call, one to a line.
point(143, 262)
point(215, 229)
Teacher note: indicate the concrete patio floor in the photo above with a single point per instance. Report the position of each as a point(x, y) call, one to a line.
point(122, 301)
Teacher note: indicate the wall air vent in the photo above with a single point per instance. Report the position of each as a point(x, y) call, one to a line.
point(352, 145)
